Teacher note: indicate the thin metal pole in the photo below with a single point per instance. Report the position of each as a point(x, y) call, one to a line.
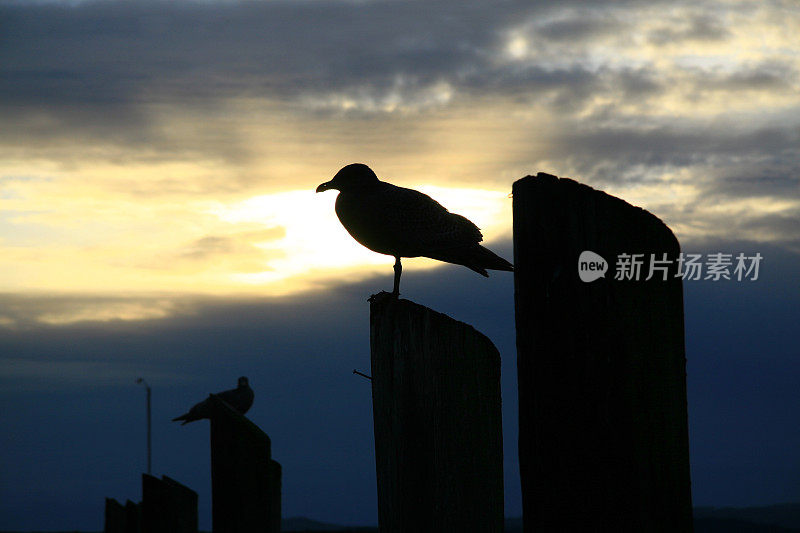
point(149, 432)
point(149, 436)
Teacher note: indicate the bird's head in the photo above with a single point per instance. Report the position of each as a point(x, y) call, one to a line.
point(243, 382)
point(353, 177)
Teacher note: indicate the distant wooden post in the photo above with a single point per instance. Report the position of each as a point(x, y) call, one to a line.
point(603, 438)
point(245, 481)
point(133, 517)
point(114, 517)
point(437, 422)
point(167, 506)
point(275, 495)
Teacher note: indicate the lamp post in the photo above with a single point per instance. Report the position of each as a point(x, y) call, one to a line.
point(149, 441)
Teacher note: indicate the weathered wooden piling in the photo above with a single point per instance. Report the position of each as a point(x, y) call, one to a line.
point(114, 517)
point(603, 438)
point(121, 519)
point(167, 506)
point(245, 481)
point(437, 421)
point(275, 495)
point(133, 517)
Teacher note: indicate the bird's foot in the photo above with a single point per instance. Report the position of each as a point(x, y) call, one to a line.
point(382, 296)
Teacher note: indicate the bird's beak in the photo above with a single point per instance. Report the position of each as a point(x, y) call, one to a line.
point(324, 186)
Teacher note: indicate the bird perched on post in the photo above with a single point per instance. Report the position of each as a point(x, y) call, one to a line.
point(240, 398)
point(403, 222)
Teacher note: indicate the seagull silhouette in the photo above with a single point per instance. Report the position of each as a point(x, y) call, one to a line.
point(240, 398)
point(403, 222)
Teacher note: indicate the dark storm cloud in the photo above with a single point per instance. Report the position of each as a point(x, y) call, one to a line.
point(772, 77)
point(723, 163)
point(763, 179)
point(675, 145)
point(575, 81)
point(784, 228)
point(91, 73)
point(126, 54)
point(579, 25)
point(132, 52)
point(100, 79)
point(697, 28)
point(638, 83)
point(767, 76)
point(119, 131)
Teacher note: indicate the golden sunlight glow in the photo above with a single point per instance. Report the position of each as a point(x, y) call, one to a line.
point(217, 197)
point(517, 47)
point(272, 244)
point(106, 311)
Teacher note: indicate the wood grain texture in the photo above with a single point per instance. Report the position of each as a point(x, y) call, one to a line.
point(245, 490)
point(438, 426)
point(167, 506)
point(603, 437)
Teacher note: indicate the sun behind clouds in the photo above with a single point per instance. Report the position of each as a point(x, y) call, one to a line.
point(315, 245)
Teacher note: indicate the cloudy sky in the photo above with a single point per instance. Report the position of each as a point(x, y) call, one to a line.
point(157, 218)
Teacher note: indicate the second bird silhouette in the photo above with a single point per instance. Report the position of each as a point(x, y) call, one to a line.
point(240, 398)
point(403, 222)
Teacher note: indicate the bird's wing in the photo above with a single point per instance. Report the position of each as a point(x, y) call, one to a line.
point(418, 221)
point(198, 411)
point(229, 396)
point(239, 399)
point(245, 400)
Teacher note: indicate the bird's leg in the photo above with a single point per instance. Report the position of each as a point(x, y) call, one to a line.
point(398, 269)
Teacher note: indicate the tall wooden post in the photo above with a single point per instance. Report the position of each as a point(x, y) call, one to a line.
point(603, 437)
point(245, 490)
point(437, 421)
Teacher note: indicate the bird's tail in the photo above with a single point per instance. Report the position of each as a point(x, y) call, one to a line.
point(184, 418)
point(476, 258)
point(482, 259)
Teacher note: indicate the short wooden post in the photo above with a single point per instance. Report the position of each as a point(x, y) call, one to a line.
point(245, 482)
point(603, 439)
point(114, 517)
point(437, 421)
point(133, 517)
point(167, 506)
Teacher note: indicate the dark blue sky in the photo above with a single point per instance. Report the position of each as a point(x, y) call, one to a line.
point(75, 435)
